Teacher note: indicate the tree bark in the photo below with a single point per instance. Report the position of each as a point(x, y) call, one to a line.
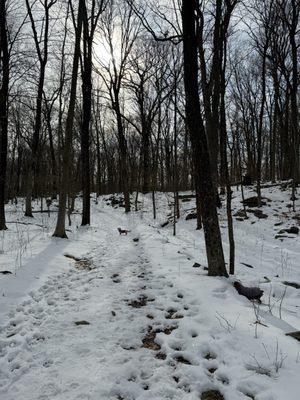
point(60, 230)
point(35, 143)
point(4, 59)
point(86, 119)
point(200, 153)
point(294, 100)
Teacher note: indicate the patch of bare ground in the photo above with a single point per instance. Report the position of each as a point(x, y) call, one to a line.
point(139, 302)
point(81, 263)
point(173, 314)
point(149, 340)
point(160, 356)
point(182, 360)
point(212, 395)
point(167, 330)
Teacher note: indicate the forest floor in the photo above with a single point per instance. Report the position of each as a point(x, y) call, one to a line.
point(102, 316)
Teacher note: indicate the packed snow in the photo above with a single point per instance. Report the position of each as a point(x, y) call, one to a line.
point(107, 316)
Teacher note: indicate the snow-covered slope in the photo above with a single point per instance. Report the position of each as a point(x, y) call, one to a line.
point(135, 320)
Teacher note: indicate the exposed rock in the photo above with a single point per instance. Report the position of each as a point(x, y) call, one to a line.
point(295, 335)
point(253, 201)
point(5, 272)
point(293, 284)
point(293, 229)
point(285, 185)
point(192, 215)
point(135, 239)
point(115, 201)
point(281, 237)
point(83, 322)
point(186, 196)
point(196, 265)
point(240, 213)
point(258, 213)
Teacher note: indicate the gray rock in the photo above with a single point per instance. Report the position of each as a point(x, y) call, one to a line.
point(293, 229)
point(295, 335)
point(192, 215)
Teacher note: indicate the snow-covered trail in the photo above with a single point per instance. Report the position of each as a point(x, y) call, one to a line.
point(149, 326)
point(45, 355)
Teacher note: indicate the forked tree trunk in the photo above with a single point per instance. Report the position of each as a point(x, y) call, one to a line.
point(200, 153)
point(35, 143)
point(60, 230)
point(86, 119)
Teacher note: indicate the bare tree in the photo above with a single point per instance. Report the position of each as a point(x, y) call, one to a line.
point(4, 75)
point(120, 29)
point(60, 230)
point(41, 47)
point(201, 156)
point(90, 22)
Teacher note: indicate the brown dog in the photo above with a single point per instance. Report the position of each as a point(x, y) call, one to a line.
point(252, 293)
point(123, 231)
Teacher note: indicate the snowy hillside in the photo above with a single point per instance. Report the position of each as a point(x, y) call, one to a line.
point(103, 316)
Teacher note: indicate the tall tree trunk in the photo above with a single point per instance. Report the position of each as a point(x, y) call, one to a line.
point(201, 157)
point(86, 119)
point(146, 158)
point(223, 147)
point(260, 124)
point(123, 153)
point(32, 180)
point(52, 152)
point(4, 60)
point(294, 94)
point(60, 230)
